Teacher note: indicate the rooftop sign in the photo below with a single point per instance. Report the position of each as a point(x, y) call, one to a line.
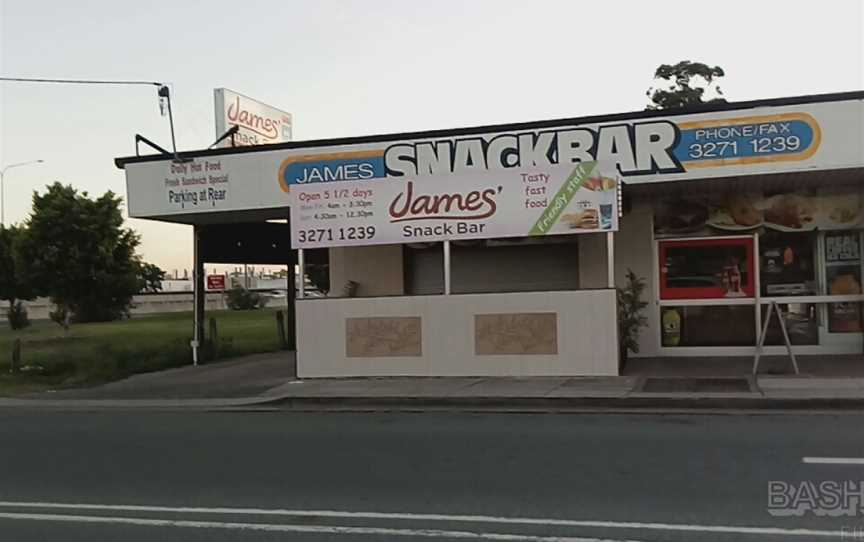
point(260, 124)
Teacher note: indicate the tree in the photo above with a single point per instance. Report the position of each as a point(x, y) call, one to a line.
point(150, 278)
point(241, 299)
point(687, 82)
point(76, 251)
point(14, 283)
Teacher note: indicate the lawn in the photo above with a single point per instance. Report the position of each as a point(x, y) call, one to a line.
point(99, 352)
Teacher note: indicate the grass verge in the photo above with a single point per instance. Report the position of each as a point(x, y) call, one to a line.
point(101, 352)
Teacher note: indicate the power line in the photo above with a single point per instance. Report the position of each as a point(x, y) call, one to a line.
point(79, 81)
point(163, 93)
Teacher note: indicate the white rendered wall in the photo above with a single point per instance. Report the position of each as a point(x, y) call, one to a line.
point(586, 335)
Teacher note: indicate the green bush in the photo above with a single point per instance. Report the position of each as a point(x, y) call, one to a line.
point(17, 316)
point(241, 299)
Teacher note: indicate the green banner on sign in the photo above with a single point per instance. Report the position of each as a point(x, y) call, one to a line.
point(574, 182)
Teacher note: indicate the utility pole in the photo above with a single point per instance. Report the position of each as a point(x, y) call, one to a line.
point(2, 188)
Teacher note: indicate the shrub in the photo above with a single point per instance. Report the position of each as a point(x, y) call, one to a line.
point(241, 299)
point(630, 317)
point(17, 316)
point(60, 315)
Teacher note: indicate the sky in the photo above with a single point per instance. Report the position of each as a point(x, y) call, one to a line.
point(352, 68)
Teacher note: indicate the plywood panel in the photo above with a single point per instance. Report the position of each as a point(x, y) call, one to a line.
point(522, 333)
point(390, 336)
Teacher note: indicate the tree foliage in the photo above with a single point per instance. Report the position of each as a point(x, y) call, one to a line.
point(150, 278)
point(76, 251)
point(684, 84)
point(14, 283)
point(241, 299)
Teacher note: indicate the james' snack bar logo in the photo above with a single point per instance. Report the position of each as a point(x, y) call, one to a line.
point(475, 205)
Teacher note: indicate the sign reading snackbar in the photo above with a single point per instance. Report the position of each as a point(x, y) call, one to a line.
point(559, 199)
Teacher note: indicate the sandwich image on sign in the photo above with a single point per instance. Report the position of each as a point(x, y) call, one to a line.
point(587, 219)
point(595, 214)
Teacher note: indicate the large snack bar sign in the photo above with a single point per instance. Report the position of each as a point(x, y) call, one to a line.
point(259, 123)
point(778, 139)
point(517, 202)
point(660, 149)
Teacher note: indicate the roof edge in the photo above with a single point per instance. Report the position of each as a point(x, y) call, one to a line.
point(396, 136)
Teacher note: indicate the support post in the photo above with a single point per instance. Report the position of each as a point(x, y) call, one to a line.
point(15, 365)
point(198, 294)
point(213, 350)
point(446, 267)
point(291, 308)
point(610, 259)
point(757, 281)
point(301, 268)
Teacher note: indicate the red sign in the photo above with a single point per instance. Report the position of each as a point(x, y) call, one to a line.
point(707, 268)
point(215, 282)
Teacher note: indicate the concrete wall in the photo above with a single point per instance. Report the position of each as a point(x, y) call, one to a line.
point(39, 308)
point(514, 334)
point(377, 270)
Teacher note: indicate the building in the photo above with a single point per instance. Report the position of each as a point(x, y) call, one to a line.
point(439, 264)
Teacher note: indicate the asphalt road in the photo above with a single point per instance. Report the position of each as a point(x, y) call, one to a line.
point(266, 476)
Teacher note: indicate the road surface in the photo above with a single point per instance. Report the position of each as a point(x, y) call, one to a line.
point(266, 476)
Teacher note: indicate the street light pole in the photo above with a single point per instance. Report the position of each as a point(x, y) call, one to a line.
point(2, 188)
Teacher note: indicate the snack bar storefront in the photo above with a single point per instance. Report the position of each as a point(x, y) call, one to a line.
point(493, 250)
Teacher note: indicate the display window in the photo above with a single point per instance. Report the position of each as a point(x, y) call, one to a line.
point(787, 264)
point(706, 268)
point(843, 277)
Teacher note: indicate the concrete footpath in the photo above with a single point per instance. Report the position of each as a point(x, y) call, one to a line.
point(586, 393)
point(264, 381)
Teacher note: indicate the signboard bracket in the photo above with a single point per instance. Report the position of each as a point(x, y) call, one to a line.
point(229, 133)
point(139, 138)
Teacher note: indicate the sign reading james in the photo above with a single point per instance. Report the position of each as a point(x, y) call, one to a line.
point(260, 124)
point(558, 199)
